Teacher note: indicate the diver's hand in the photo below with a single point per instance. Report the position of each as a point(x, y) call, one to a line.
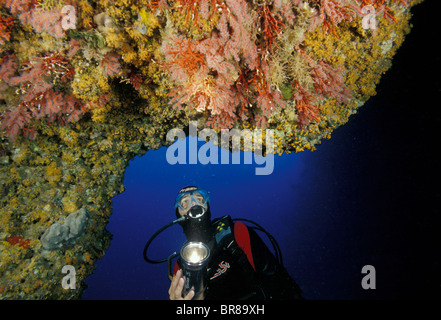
point(176, 287)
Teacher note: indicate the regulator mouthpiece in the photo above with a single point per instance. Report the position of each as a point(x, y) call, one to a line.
point(196, 212)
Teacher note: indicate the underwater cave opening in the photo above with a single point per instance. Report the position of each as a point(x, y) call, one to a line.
point(147, 204)
point(332, 211)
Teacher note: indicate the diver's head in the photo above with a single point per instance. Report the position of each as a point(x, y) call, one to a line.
point(193, 203)
point(191, 198)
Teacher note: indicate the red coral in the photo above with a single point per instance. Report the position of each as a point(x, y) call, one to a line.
point(193, 8)
point(20, 241)
point(242, 87)
point(203, 76)
point(54, 22)
point(57, 107)
point(49, 21)
point(38, 99)
point(50, 104)
point(40, 74)
point(203, 70)
point(30, 133)
point(7, 68)
point(286, 8)
point(228, 72)
point(404, 3)
point(14, 120)
point(331, 13)
point(233, 30)
point(135, 80)
point(110, 64)
point(160, 4)
point(192, 66)
point(72, 108)
point(181, 58)
point(267, 99)
point(272, 23)
point(54, 64)
point(306, 111)
point(380, 5)
point(5, 28)
point(74, 46)
point(16, 6)
point(327, 81)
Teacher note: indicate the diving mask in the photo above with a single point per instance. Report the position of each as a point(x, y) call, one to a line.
point(187, 199)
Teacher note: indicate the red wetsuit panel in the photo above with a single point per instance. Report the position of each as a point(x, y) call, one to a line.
point(242, 237)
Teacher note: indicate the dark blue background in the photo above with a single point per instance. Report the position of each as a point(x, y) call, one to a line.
point(370, 195)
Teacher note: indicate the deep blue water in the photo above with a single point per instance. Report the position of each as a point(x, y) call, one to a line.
point(368, 196)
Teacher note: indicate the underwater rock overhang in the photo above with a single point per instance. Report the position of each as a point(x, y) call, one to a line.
point(102, 68)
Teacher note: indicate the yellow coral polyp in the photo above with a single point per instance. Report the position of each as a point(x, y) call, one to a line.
point(53, 173)
point(149, 19)
point(49, 5)
point(70, 204)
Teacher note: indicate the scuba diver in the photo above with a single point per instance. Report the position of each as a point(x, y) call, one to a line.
point(223, 258)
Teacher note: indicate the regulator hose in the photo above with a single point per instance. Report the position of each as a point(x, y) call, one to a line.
point(144, 253)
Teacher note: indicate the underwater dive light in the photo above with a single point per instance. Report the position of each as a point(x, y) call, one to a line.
point(194, 259)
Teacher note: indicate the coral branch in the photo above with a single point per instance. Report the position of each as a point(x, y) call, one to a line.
point(380, 5)
point(40, 74)
point(306, 111)
point(268, 100)
point(17, 6)
point(49, 21)
point(13, 121)
point(272, 23)
point(53, 20)
point(37, 97)
point(135, 80)
point(331, 13)
point(50, 104)
point(5, 28)
point(194, 8)
point(7, 68)
point(110, 64)
point(240, 41)
point(327, 81)
point(181, 57)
